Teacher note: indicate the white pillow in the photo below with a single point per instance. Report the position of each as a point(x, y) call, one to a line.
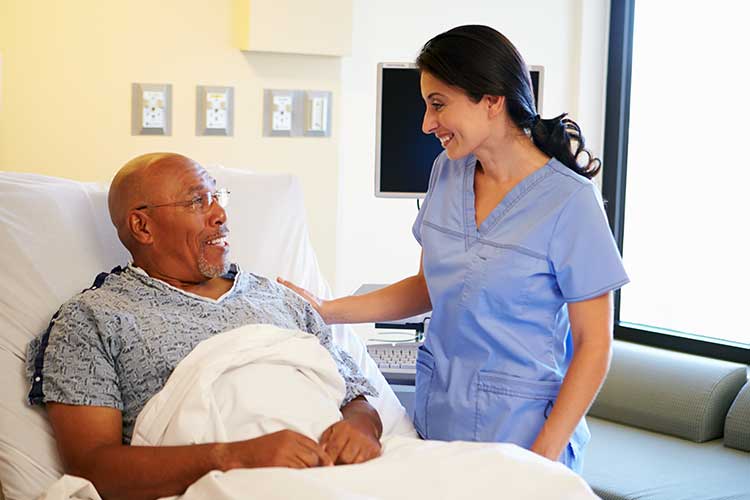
point(54, 241)
point(56, 237)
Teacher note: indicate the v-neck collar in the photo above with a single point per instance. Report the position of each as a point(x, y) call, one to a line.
point(471, 230)
point(232, 274)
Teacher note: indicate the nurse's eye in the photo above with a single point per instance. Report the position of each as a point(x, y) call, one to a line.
point(437, 106)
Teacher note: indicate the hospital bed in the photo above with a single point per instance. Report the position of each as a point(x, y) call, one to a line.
point(56, 236)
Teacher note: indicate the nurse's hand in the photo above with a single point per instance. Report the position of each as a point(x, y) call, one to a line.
point(346, 443)
point(317, 303)
point(547, 450)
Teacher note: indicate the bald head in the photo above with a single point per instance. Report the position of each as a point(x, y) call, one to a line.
point(142, 181)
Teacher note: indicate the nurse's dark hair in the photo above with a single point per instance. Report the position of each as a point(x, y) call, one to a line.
point(481, 61)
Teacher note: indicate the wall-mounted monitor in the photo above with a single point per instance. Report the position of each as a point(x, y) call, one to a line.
point(404, 154)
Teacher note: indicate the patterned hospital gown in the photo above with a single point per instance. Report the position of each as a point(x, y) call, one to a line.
point(116, 344)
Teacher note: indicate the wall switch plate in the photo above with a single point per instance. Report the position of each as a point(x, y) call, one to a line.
point(282, 113)
point(215, 110)
point(317, 113)
point(152, 109)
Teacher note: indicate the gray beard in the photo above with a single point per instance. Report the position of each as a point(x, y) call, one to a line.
point(211, 271)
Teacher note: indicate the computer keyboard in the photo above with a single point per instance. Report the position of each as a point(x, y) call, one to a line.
point(397, 361)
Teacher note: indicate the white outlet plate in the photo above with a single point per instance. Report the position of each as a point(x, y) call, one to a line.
point(152, 109)
point(282, 113)
point(215, 110)
point(317, 113)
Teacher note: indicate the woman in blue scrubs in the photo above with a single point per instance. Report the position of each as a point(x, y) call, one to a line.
point(518, 262)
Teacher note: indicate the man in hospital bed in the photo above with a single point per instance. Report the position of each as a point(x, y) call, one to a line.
point(111, 348)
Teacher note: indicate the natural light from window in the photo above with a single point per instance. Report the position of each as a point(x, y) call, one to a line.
point(687, 216)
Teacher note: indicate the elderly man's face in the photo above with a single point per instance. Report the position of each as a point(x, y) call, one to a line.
point(189, 238)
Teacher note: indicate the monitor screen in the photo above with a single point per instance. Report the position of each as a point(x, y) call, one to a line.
point(404, 154)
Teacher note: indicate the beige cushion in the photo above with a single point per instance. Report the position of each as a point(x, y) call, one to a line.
point(625, 463)
point(737, 426)
point(669, 392)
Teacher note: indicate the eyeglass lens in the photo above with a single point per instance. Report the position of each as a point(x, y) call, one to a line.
point(221, 197)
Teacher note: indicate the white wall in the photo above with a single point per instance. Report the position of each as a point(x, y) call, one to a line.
point(567, 37)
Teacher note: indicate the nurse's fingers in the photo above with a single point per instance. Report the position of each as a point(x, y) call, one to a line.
point(312, 299)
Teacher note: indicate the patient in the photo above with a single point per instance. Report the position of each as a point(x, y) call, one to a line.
point(112, 347)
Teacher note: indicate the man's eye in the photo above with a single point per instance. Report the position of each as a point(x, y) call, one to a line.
point(197, 201)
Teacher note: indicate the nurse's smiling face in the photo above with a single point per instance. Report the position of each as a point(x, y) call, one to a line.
point(461, 124)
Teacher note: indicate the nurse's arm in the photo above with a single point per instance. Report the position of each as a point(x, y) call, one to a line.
point(403, 299)
point(591, 327)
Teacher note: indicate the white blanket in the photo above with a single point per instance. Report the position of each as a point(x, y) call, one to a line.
point(242, 384)
point(260, 379)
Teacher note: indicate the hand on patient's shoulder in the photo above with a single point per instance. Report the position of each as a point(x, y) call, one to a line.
point(316, 302)
point(347, 443)
point(279, 449)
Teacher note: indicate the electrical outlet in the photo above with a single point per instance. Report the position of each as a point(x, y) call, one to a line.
point(215, 110)
point(152, 109)
point(216, 114)
point(282, 113)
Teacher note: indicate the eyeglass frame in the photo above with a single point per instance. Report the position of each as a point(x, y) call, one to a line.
point(214, 196)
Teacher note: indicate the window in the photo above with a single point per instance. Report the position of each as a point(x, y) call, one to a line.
point(676, 174)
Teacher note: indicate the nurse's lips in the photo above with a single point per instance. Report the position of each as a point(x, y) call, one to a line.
point(444, 139)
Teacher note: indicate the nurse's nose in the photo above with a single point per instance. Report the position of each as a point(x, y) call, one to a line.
point(429, 123)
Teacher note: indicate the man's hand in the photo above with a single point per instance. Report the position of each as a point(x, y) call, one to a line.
point(89, 439)
point(355, 439)
point(280, 449)
point(345, 443)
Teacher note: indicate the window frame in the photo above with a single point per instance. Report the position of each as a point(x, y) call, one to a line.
point(614, 178)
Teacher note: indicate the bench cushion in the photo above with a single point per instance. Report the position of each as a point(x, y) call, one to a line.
point(623, 463)
point(669, 392)
point(737, 427)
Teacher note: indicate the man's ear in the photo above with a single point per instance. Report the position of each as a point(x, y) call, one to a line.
point(139, 225)
point(495, 104)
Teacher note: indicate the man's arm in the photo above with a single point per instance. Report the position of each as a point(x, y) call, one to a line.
point(356, 438)
point(89, 439)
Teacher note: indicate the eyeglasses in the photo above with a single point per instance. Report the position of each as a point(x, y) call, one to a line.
point(199, 203)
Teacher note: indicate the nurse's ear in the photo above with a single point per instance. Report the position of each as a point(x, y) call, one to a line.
point(495, 105)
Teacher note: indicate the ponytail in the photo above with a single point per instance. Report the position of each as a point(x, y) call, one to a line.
point(561, 138)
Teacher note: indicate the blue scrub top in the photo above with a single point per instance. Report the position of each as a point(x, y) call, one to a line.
point(499, 341)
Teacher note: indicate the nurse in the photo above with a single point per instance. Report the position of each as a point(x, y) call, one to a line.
point(518, 263)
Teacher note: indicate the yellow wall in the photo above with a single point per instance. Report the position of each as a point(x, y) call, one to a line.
point(65, 94)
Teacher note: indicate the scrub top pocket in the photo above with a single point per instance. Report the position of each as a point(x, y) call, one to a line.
point(572, 455)
point(505, 279)
point(512, 409)
point(425, 366)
